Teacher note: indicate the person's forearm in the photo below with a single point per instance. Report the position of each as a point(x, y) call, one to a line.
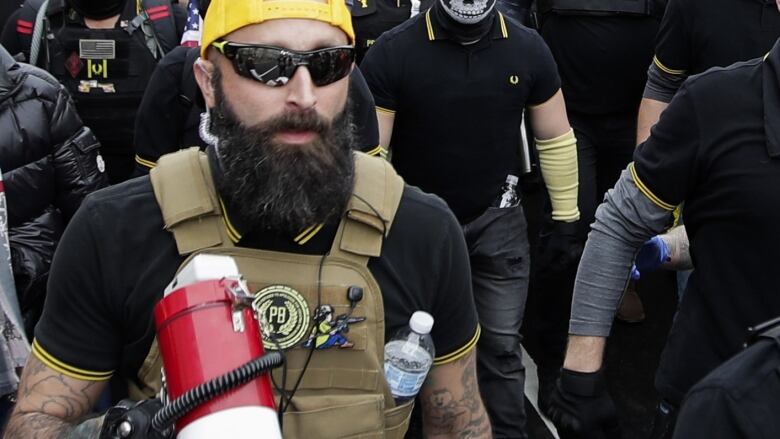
point(40, 426)
point(625, 220)
point(679, 249)
point(584, 354)
point(649, 112)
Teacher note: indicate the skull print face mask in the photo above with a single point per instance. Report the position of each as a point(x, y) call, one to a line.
point(468, 11)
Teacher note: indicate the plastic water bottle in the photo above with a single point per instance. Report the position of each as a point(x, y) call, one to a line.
point(409, 356)
point(508, 196)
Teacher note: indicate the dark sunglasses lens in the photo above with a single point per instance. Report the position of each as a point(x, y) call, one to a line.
point(269, 66)
point(264, 64)
point(329, 65)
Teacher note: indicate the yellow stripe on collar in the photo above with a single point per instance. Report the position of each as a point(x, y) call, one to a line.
point(431, 35)
point(232, 232)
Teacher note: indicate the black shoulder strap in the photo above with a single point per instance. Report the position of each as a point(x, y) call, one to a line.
point(25, 25)
point(161, 16)
point(773, 334)
point(769, 329)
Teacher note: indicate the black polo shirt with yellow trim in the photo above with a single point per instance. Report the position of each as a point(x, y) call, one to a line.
point(116, 258)
point(458, 108)
point(696, 35)
point(717, 149)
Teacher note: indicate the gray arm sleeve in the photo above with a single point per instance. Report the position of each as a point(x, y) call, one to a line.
point(624, 221)
point(661, 86)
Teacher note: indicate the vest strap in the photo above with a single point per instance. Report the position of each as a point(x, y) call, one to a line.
point(370, 211)
point(185, 191)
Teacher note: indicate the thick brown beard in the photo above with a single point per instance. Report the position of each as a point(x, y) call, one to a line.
point(280, 187)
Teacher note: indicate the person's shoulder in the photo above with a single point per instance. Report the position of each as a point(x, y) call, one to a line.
point(175, 58)
point(405, 32)
point(421, 214)
point(717, 80)
point(519, 34)
point(128, 199)
point(36, 83)
point(519, 29)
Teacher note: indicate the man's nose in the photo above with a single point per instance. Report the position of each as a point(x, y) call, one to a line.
point(301, 90)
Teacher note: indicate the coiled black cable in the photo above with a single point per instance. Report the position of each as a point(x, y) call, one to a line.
point(213, 388)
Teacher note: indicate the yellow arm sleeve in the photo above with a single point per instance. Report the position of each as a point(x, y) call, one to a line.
point(558, 160)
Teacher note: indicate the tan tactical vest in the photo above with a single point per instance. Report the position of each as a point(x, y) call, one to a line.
point(343, 392)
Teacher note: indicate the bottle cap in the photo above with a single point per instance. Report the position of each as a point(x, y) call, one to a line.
point(421, 322)
point(511, 179)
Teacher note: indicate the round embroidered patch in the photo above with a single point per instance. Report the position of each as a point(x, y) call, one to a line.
point(284, 315)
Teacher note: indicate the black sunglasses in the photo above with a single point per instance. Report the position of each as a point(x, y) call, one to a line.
point(275, 66)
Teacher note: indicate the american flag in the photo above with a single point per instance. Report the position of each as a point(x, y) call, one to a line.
point(191, 37)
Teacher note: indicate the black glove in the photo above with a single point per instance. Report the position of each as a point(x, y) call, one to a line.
point(560, 248)
point(133, 420)
point(581, 408)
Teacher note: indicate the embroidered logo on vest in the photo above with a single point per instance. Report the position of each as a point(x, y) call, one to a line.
point(331, 330)
point(284, 315)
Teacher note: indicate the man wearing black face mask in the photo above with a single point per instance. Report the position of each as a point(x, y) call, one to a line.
point(451, 86)
point(103, 52)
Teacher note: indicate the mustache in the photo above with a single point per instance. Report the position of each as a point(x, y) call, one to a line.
point(307, 120)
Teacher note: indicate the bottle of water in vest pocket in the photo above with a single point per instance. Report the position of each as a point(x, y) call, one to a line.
point(409, 356)
point(508, 197)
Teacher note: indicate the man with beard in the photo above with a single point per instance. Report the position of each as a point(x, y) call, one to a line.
point(280, 185)
point(451, 86)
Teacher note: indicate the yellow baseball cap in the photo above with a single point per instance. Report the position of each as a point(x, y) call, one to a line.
point(226, 16)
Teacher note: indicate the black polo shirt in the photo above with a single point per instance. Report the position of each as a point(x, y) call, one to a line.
point(739, 400)
point(458, 107)
point(602, 59)
point(371, 18)
point(696, 35)
point(115, 259)
point(717, 148)
point(169, 115)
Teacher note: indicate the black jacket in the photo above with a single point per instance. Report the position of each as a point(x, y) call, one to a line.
point(49, 162)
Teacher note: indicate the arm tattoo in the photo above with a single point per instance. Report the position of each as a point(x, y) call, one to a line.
point(44, 413)
point(40, 426)
point(450, 416)
point(679, 249)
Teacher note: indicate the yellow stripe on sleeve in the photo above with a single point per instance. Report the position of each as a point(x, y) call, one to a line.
point(459, 353)
point(65, 369)
point(647, 192)
point(145, 163)
point(385, 110)
point(661, 66)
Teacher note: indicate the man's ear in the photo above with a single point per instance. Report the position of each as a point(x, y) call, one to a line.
point(204, 70)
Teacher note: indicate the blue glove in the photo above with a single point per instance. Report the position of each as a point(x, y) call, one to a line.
point(651, 256)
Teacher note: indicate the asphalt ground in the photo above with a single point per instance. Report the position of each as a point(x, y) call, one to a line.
point(633, 352)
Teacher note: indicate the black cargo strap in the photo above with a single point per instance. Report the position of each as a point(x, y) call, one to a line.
point(772, 334)
point(769, 329)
